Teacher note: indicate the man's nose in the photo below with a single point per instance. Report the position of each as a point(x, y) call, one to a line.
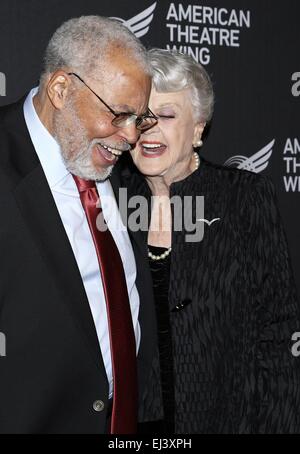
point(130, 133)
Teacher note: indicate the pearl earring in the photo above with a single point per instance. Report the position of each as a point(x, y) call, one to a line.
point(198, 144)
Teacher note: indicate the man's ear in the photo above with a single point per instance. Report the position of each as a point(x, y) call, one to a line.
point(57, 88)
point(198, 131)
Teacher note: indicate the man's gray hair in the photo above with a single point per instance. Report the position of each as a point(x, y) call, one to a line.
point(83, 45)
point(173, 71)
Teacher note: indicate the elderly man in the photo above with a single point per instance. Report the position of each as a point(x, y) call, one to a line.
point(73, 298)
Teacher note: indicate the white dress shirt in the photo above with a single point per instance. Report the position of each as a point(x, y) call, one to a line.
point(69, 206)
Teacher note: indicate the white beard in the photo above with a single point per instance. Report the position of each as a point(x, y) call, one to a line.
point(76, 148)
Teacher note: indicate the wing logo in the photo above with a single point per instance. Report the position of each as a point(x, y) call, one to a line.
point(139, 24)
point(207, 221)
point(255, 163)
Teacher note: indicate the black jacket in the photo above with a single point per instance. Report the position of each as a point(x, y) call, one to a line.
point(233, 309)
point(53, 371)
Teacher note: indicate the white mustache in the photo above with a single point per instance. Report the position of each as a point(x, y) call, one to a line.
point(124, 147)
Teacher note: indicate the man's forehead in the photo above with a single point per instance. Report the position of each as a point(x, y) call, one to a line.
point(122, 74)
point(121, 55)
point(120, 61)
point(126, 93)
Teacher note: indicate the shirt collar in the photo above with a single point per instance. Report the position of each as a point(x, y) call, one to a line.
point(46, 147)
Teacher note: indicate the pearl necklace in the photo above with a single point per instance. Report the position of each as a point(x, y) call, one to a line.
point(161, 256)
point(197, 160)
point(167, 252)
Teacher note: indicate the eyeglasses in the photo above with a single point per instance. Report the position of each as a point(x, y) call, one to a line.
point(124, 119)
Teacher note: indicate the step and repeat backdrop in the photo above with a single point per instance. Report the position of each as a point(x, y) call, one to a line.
point(251, 49)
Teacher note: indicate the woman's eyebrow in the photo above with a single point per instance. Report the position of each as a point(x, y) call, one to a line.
point(169, 104)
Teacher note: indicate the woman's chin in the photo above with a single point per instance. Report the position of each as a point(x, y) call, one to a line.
point(152, 173)
point(152, 167)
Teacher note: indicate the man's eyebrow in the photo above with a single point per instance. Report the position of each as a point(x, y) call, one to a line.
point(122, 108)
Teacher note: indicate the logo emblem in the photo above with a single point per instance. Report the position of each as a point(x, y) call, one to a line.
point(139, 24)
point(207, 221)
point(256, 163)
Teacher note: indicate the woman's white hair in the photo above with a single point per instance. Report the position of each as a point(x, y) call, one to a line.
point(173, 71)
point(83, 45)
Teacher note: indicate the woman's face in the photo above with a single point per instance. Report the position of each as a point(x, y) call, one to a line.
point(167, 148)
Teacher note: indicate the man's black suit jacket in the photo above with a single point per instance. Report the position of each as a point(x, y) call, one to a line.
point(53, 370)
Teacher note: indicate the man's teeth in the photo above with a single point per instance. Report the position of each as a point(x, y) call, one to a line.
point(112, 150)
point(152, 145)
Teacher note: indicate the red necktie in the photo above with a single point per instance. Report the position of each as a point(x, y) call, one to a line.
point(122, 339)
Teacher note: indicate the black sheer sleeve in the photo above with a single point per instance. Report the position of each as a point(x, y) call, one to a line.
point(271, 401)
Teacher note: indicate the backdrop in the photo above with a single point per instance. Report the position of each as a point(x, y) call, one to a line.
point(250, 48)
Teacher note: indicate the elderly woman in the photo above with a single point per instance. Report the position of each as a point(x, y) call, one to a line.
point(225, 299)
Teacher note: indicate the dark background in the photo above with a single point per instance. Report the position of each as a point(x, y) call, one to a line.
point(253, 82)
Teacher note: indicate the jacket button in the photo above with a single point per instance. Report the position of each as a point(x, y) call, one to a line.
point(98, 405)
point(181, 305)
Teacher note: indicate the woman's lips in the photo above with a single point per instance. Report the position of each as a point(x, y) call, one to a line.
point(152, 149)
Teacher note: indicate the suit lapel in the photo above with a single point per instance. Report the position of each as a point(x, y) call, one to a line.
point(36, 204)
point(39, 211)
